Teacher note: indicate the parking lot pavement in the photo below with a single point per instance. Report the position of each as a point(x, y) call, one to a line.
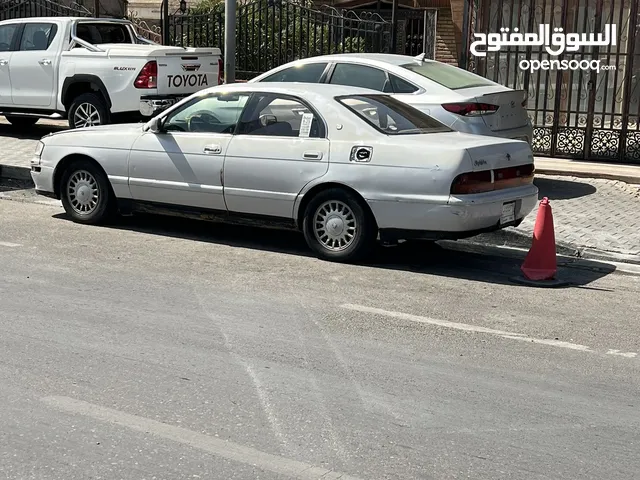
point(17, 145)
point(156, 347)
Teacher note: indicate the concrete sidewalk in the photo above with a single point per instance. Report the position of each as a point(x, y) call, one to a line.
point(576, 168)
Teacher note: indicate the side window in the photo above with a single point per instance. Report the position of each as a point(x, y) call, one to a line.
point(280, 116)
point(38, 36)
point(217, 113)
point(400, 86)
point(7, 33)
point(100, 33)
point(360, 76)
point(306, 73)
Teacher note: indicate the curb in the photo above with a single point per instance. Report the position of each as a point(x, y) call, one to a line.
point(621, 177)
point(599, 265)
point(15, 173)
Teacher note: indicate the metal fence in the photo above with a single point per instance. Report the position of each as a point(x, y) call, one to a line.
point(576, 113)
point(269, 34)
point(41, 8)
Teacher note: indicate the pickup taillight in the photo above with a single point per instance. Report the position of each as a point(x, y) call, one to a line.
point(148, 76)
point(220, 71)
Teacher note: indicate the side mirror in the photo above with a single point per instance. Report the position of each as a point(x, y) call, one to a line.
point(154, 125)
point(266, 120)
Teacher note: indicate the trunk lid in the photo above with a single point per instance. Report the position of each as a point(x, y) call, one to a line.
point(510, 113)
point(181, 71)
point(499, 155)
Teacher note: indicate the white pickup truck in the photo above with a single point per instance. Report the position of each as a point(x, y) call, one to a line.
point(94, 70)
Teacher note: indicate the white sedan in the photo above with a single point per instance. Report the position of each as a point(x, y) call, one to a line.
point(346, 166)
point(460, 99)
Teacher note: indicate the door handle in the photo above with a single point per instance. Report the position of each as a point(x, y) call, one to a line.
point(312, 155)
point(45, 62)
point(212, 149)
point(4, 62)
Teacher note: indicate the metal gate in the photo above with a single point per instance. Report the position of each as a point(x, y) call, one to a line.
point(41, 8)
point(583, 114)
point(270, 33)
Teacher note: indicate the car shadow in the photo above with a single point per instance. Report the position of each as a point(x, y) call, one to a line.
point(424, 258)
point(36, 132)
point(562, 189)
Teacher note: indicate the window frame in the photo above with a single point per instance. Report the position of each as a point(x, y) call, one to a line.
point(323, 130)
point(17, 36)
point(339, 99)
point(54, 26)
point(321, 79)
point(172, 113)
point(331, 71)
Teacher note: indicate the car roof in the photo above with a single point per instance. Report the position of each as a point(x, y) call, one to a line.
point(387, 58)
point(295, 88)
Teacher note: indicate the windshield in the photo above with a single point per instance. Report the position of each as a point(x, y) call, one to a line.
point(391, 116)
point(453, 78)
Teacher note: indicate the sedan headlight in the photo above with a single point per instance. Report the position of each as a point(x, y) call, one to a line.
point(39, 149)
point(35, 160)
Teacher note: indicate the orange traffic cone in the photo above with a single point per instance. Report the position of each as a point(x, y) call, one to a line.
point(540, 263)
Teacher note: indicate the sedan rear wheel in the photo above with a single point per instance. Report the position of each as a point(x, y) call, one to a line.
point(338, 227)
point(85, 193)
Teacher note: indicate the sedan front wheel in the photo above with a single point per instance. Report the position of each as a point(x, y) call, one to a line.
point(338, 227)
point(85, 193)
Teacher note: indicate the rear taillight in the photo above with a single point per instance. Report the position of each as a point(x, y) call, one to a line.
point(148, 76)
point(490, 180)
point(470, 109)
point(474, 182)
point(220, 71)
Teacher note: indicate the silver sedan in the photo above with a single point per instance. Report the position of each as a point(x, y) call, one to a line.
point(347, 166)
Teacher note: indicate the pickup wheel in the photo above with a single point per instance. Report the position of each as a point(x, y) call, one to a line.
point(21, 122)
point(86, 194)
point(88, 110)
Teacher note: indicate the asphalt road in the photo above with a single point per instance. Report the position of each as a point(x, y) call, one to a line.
point(155, 349)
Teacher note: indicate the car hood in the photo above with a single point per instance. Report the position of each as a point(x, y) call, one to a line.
point(123, 127)
point(116, 136)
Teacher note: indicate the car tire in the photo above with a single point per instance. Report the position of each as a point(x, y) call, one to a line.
point(88, 110)
point(328, 219)
point(86, 193)
point(21, 122)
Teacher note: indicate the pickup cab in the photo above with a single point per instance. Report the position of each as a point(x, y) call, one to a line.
point(93, 71)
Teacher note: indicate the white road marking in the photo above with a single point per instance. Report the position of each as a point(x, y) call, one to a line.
point(9, 244)
point(477, 329)
point(623, 354)
point(222, 448)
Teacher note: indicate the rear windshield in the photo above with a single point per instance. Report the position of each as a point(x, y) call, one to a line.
point(391, 116)
point(100, 33)
point(448, 76)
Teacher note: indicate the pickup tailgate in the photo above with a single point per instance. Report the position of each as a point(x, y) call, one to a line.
point(186, 71)
point(181, 71)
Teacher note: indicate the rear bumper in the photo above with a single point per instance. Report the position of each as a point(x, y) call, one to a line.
point(151, 105)
point(460, 217)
